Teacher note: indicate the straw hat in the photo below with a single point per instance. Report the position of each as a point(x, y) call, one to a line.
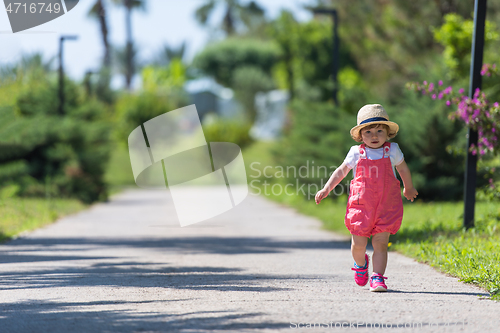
point(373, 114)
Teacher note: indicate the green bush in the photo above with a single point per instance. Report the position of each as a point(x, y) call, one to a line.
point(228, 131)
point(434, 147)
point(162, 92)
point(318, 140)
point(135, 110)
point(46, 153)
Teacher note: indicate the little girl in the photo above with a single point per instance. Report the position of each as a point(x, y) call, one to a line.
point(374, 207)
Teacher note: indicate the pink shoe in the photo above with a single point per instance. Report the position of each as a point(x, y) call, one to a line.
point(377, 282)
point(361, 275)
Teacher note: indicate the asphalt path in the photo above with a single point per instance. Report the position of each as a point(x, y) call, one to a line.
point(127, 266)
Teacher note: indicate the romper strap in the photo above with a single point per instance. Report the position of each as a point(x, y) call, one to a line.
point(387, 149)
point(362, 151)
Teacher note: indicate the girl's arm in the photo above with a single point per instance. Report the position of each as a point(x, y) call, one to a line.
point(334, 180)
point(409, 191)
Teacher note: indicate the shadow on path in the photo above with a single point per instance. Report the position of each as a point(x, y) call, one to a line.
point(70, 317)
point(58, 257)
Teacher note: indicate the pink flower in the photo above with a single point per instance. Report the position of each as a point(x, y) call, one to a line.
point(431, 87)
point(448, 103)
point(477, 92)
point(425, 83)
point(433, 96)
point(440, 83)
point(461, 90)
point(495, 104)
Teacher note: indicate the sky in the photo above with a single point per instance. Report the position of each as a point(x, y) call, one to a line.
point(164, 22)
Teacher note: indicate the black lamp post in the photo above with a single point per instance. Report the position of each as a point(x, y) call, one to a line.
point(61, 71)
point(336, 47)
point(472, 137)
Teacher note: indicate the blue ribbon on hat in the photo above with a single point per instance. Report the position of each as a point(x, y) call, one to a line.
point(369, 120)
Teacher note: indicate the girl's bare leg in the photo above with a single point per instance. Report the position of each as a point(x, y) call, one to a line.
point(379, 243)
point(358, 249)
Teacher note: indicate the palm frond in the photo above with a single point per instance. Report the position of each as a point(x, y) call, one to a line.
point(203, 12)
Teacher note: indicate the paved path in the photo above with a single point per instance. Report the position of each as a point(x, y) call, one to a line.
point(127, 266)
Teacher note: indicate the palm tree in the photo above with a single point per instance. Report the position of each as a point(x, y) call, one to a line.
point(169, 53)
point(98, 11)
point(234, 13)
point(129, 49)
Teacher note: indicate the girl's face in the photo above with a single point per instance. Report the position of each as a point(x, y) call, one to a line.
point(374, 137)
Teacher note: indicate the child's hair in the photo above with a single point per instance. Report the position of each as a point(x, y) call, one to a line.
point(390, 134)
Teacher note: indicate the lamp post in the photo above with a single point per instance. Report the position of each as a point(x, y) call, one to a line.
point(61, 71)
point(336, 47)
point(472, 137)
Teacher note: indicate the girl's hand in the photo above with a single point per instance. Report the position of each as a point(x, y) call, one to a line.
point(321, 195)
point(410, 193)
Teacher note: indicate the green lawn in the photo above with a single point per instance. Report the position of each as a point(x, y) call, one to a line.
point(23, 214)
point(431, 232)
point(119, 171)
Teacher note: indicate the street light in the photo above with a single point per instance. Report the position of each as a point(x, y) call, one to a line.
point(336, 47)
point(472, 136)
point(61, 71)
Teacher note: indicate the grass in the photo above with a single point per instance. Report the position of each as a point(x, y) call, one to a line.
point(119, 171)
point(18, 215)
point(431, 232)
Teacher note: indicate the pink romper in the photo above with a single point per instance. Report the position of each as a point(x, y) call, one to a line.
point(374, 203)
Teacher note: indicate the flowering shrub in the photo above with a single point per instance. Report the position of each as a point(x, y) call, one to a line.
point(478, 113)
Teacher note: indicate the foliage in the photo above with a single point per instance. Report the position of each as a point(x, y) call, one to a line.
point(476, 113)
point(244, 65)
point(248, 81)
point(236, 15)
point(169, 53)
point(162, 92)
point(220, 60)
point(432, 146)
point(318, 140)
point(46, 153)
point(390, 40)
point(306, 56)
point(221, 130)
point(456, 37)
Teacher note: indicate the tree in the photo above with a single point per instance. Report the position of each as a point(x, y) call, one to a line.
point(103, 91)
point(98, 11)
point(241, 64)
point(306, 55)
point(169, 53)
point(235, 14)
point(130, 52)
point(44, 153)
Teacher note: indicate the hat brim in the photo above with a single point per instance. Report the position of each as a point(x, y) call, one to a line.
point(393, 128)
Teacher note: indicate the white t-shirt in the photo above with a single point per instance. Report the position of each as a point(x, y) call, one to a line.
point(395, 154)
